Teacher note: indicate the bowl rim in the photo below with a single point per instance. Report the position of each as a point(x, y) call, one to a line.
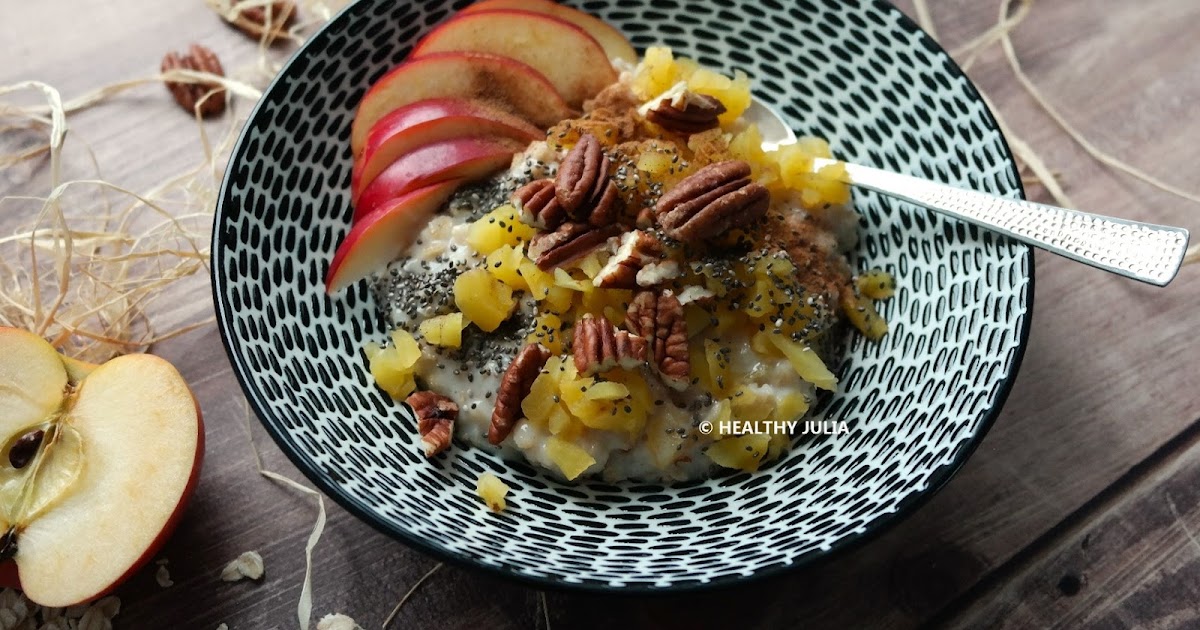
point(872, 530)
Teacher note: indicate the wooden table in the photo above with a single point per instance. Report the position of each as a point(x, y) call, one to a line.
point(1080, 508)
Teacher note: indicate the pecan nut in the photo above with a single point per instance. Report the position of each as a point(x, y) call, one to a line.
point(538, 205)
point(583, 187)
point(687, 113)
point(599, 347)
point(269, 21)
point(514, 387)
point(660, 320)
point(712, 200)
point(197, 59)
point(435, 420)
point(638, 249)
point(571, 241)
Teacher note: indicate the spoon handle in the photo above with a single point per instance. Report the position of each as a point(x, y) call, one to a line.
point(1142, 251)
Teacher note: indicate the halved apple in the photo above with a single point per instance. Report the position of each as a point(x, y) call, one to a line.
point(457, 158)
point(614, 43)
point(564, 53)
point(430, 121)
point(499, 81)
point(95, 473)
point(382, 236)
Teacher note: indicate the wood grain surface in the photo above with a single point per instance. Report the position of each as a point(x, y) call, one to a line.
point(1079, 509)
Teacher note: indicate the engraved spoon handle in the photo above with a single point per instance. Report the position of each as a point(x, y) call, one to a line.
point(1142, 251)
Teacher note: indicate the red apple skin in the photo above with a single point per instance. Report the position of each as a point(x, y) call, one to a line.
point(429, 121)
point(499, 81)
point(377, 239)
point(470, 158)
point(614, 43)
point(8, 575)
point(10, 572)
point(573, 61)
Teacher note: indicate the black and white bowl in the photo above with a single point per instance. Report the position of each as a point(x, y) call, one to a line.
point(857, 72)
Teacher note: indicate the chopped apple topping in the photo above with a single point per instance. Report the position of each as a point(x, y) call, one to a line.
point(492, 491)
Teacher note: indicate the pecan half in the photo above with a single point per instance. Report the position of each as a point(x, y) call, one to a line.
point(637, 250)
point(659, 319)
point(583, 186)
point(514, 387)
point(687, 113)
point(645, 218)
point(197, 59)
point(435, 420)
point(599, 347)
point(712, 200)
point(270, 20)
point(570, 241)
point(538, 205)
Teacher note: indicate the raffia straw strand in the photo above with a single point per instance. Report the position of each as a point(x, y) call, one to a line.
point(106, 92)
point(304, 605)
point(403, 600)
point(1024, 153)
point(925, 19)
point(117, 315)
point(970, 51)
point(1101, 156)
point(545, 608)
point(58, 131)
point(13, 159)
point(1028, 156)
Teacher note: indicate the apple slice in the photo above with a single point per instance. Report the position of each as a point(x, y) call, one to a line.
point(499, 81)
point(615, 45)
point(77, 370)
point(457, 158)
point(32, 380)
point(382, 236)
point(430, 121)
point(564, 53)
point(95, 496)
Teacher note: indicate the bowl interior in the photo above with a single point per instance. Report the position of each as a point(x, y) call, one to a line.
point(860, 74)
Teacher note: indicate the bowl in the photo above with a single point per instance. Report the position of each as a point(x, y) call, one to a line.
point(916, 404)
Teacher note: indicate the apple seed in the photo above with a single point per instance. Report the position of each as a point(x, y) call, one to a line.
point(25, 448)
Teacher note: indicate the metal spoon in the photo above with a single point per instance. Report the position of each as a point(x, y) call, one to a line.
point(1142, 251)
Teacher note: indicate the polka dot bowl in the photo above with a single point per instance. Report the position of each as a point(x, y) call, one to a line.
point(916, 404)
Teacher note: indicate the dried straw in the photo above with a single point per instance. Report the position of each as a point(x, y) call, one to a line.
point(924, 18)
point(403, 600)
point(304, 605)
point(968, 53)
point(545, 608)
point(1101, 156)
point(84, 278)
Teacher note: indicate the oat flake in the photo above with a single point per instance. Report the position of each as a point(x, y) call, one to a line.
point(94, 619)
point(247, 565)
point(337, 621)
point(18, 613)
point(163, 577)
